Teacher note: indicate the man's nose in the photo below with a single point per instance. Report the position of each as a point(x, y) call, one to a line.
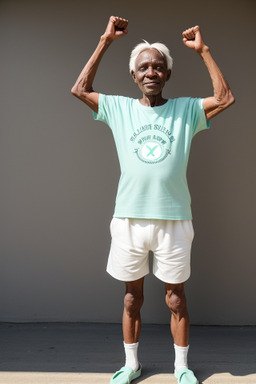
point(151, 72)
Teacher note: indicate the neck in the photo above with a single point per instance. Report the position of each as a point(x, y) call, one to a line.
point(152, 100)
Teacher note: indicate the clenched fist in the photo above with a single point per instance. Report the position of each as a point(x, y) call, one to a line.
point(192, 38)
point(116, 28)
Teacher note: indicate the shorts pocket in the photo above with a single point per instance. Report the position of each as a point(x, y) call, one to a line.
point(190, 229)
point(187, 230)
point(116, 226)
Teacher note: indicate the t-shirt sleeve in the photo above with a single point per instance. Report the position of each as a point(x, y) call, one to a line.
point(106, 109)
point(198, 117)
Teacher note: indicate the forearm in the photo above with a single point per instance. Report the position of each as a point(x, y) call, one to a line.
point(222, 95)
point(84, 82)
point(83, 88)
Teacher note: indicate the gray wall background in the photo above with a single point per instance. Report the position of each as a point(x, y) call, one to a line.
point(59, 169)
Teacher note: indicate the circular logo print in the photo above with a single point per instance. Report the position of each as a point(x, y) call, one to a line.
point(151, 151)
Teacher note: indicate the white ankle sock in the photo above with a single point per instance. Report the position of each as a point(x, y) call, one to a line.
point(181, 357)
point(131, 356)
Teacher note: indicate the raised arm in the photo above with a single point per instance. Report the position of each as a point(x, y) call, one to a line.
point(83, 87)
point(222, 96)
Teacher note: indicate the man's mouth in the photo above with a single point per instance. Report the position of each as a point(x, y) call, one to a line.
point(149, 83)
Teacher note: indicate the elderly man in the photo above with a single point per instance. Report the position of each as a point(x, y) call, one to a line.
point(152, 213)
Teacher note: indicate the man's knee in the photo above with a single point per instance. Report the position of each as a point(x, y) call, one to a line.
point(176, 300)
point(133, 303)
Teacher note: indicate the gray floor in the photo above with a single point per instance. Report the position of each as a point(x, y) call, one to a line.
point(94, 351)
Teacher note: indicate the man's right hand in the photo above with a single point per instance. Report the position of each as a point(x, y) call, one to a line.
point(116, 28)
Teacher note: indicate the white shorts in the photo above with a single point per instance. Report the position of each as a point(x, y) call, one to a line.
point(132, 239)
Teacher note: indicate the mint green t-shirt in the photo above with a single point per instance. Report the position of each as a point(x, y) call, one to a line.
point(153, 145)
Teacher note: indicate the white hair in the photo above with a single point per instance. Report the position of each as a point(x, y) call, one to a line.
point(161, 48)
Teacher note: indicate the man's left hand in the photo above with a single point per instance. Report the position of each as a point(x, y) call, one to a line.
point(192, 38)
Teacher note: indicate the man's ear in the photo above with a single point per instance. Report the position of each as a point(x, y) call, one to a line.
point(133, 76)
point(169, 72)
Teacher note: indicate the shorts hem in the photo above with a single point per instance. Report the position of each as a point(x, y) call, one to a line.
point(133, 278)
point(168, 281)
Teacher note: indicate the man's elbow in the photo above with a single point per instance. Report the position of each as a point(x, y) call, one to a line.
point(75, 91)
point(80, 92)
point(78, 89)
point(226, 101)
point(230, 98)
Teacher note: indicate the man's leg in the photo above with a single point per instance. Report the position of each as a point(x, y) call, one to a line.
point(176, 301)
point(133, 301)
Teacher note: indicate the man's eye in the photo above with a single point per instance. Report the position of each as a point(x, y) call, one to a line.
point(142, 69)
point(159, 69)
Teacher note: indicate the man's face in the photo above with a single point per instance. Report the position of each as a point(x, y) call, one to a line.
point(151, 72)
